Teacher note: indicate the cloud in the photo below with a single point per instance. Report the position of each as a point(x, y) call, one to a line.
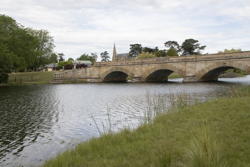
point(84, 26)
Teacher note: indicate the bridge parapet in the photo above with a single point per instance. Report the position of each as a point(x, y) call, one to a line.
point(191, 58)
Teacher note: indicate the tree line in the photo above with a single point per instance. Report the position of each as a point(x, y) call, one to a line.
point(173, 48)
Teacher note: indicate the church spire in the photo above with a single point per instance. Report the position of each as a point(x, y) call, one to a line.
point(114, 58)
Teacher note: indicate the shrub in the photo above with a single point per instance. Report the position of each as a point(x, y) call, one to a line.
point(172, 52)
point(205, 150)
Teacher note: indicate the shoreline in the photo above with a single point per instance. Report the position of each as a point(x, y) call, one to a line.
point(165, 141)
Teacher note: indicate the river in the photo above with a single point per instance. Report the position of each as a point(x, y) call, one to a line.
point(38, 122)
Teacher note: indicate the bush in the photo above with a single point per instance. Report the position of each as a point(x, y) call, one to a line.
point(172, 52)
point(161, 53)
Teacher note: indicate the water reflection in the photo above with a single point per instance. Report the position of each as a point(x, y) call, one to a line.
point(37, 122)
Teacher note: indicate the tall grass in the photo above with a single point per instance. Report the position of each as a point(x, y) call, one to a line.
point(106, 126)
point(239, 92)
point(205, 149)
point(179, 101)
point(155, 105)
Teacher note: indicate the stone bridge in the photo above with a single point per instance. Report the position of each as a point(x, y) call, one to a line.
point(205, 67)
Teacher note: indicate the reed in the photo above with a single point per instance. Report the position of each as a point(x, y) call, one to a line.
point(156, 104)
point(106, 124)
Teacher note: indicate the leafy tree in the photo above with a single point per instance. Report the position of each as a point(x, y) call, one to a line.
point(7, 27)
point(94, 55)
point(6, 63)
point(29, 48)
point(172, 52)
point(53, 58)
point(44, 46)
point(230, 50)
point(191, 47)
point(105, 56)
point(61, 57)
point(172, 44)
point(150, 50)
point(135, 50)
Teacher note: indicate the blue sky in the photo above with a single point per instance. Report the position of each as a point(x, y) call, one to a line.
point(85, 26)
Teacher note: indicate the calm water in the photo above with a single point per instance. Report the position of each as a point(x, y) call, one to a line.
point(38, 122)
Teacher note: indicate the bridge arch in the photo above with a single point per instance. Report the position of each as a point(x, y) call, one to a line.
point(116, 74)
point(160, 74)
point(212, 73)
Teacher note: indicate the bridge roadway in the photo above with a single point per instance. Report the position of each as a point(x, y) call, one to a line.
point(196, 68)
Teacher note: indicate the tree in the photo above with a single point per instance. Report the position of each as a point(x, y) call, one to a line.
point(172, 44)
point(9, 60)
point(105, 56)
point(29, 48)
point(135, 50)
point(61, 57)
point(94, 56)
point(44, 46)
point(53, 58)
point(150, 50)
point(6, 63)
point(191, 47)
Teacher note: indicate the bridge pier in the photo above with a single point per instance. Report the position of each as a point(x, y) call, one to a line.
point(191, 78)
point(137, 79)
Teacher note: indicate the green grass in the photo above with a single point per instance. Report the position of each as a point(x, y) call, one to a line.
point(211, 134)
point(29, 78)
point(174, 75)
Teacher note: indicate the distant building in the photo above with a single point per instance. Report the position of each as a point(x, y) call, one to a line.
point(119, 57)
point(51, 67)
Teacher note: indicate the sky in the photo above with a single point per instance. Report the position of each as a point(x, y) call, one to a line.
point(86, 26)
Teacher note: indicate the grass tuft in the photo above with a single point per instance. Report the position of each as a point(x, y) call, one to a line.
point(205, 149)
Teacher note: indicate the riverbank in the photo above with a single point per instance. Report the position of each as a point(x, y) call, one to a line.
point(30, 78)
point(214, 132)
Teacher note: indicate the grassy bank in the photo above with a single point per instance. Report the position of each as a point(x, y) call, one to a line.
point(29, 78)
point(211, 134)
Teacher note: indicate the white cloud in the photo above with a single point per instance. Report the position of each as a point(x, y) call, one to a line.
point(84, 26)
